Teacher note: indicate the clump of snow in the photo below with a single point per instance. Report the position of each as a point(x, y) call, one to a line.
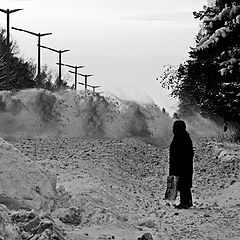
point(7, 230)
point(23, 184)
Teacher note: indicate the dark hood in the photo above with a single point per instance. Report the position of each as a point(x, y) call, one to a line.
point(179, 127)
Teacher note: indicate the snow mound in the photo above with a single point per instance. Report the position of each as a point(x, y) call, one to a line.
point(39, 113)
point(228, 157)
point(24, 184)
point(230, 196)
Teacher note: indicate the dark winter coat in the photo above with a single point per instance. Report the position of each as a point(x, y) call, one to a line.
point(181, 155)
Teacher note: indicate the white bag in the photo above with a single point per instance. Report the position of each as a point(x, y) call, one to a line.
point(171, 191)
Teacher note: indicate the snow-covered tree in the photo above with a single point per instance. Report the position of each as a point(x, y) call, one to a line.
point(211, 78)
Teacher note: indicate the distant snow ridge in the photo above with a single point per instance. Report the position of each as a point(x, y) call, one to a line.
point(37, 112)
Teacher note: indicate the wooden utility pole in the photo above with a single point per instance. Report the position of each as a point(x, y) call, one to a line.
point(85, 77)
point(81, 83)
point(94, 88)
point(76, 73)
point(39, 35)
point(59, 59)
point(8, 12)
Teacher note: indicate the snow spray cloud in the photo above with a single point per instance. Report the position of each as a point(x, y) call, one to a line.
point(201, 126)
point(39, 113)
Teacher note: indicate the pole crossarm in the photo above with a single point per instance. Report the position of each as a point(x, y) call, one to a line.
point(55, 50)
point(93, 86)
point(81, 83)
point(63, 51)
point(71, 66)
point(83, 75)
point(51, 49)
point(89, 85)
point(33, 33)
point(3, 10)
point(15, 10)
point(10, 11)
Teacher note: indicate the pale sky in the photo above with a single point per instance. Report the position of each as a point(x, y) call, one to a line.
point(123, 43)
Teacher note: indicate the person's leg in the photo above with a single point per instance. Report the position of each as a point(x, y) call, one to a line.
point(185, 198)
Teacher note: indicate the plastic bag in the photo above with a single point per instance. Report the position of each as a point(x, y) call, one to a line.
point(171, 191)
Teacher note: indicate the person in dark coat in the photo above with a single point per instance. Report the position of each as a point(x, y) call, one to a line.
point(181, 162)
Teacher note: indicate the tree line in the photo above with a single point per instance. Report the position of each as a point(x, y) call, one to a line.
point(209, 81)
point(23, 72)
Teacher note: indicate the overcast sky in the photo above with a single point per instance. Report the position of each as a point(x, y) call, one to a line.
point(123, 43)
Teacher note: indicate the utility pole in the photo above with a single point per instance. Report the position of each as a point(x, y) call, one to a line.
point(8, 12)
point(39, 35)
point(93, 87)
point(59, 58)
point(85, 77)
point(81, 83)
point(76, 68)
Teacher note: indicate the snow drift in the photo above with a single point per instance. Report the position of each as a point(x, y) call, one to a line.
point(23, 184)
point(37, 112)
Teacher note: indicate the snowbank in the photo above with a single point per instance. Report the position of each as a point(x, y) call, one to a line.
point(40, 113)
point(23, 184)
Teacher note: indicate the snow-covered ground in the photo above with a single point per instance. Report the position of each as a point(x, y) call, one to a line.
point(118, 187)
point(107, 187)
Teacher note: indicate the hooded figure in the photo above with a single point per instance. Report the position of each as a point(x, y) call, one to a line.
point(181, 162)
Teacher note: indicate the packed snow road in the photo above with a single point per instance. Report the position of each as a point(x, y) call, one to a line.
point(118, 185)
